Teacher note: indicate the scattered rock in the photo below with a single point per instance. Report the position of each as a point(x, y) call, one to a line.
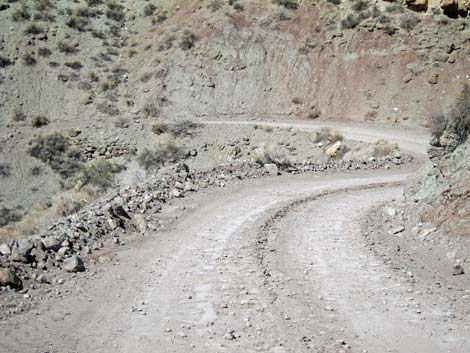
point(73, 264)
point(433, 78)
point(457, 270)
point(5, 249)
point(398, 229)
point(271, 168)
point(9, 278)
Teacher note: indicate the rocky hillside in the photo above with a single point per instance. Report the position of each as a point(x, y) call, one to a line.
point(83, 84)
point(442, 191)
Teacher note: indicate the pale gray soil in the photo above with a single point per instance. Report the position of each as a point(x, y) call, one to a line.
point(276, 265)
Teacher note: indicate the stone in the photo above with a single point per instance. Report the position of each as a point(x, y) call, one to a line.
point(450, 8)
point(9, 278)
point(417, 5)
point(457, 270)
point(433, 78)
point(334, 150)
point(271, 168)
point(53, 242)
point(398, 229)
point(5, 249)
point(73, 264)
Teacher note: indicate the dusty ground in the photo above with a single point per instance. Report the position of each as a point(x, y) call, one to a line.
point(277, 265)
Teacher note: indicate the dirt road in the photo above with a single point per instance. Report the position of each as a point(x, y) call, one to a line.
point(271, 265)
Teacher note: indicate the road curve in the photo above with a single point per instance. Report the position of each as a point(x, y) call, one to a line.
point(274, 265)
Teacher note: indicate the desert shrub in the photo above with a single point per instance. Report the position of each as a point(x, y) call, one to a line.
point(75, 65)
point(39, 120)
point(44, 52)
point(29, 59)
point(7, 216)
point(329, 135)
point(94, 3)
point(78, 23)
point(98, 34)
point(4, 62)
point(350, 21)
point(161, 17)
point(121, 123)
point(5, 170)
point(108, 109)
point(163, 154)
point(458, 121)
point(215, 5)
point(18, 115)
point(74, 201)
point(314, 113)
point(438, 122)
point(146, 77)
point(85, 12)
point(288, 4)
point(395, 8)
point(35, 171)
point(150, 110)
point(115, 11)
point(383, 148)
point(33, 29)
point(100, 174)
point(334, 2)
point(187, 40)
point(66, 48)
point(383, 19)
point(149, 9)
point(408, 21)
point(178, 129)
point(296, 100)
point(360, 5)
point(56, 151)
point(167, 42)
point(390, 29)
point(238, 6)
point(21, 14)
point(284, 16)
point(43, 5)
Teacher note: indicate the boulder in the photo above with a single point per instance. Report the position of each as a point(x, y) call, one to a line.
point(73, 264)
point(271, 168)
point(5, 249)
point(417, 5)
point(53, 242)
point(450, 8)
point(9, 278)
point(334, 150)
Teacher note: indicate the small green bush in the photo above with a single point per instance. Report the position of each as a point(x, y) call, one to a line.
point(29, 59)
point(66, 48)
point(149, 9)
point(56, 151)
point(215, 5)
point(288, 4)
point(408, 21)
point(33, 29)
point(115, 11)
point(44, 52)
point(75, 65)
point(100, 174)
point(188, 39)
point(4, 62)
point(167, 153)
point(7, 216)
point(5, 170)
point(18, 115)
point(21, 14)
point(360, 5)
point(78, 23)
point(350, 21)
point(39, 120)
point(151, 110)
